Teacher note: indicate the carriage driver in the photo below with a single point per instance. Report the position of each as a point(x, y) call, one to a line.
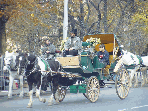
point(73, 45)
point(47, 49)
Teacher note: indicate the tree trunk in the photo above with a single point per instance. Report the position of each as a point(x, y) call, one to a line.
point(2, 35)
point(105, 16)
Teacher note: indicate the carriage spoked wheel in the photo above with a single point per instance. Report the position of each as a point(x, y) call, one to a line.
point(122, 83)
point(60, 94)
point(92, 89)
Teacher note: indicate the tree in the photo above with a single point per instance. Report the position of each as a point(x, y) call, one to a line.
point(29, 20)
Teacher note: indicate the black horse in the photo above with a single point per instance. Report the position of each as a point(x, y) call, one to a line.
point(33, 74)
point(42, 80)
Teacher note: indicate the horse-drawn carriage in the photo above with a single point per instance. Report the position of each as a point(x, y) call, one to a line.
point(86, 71)
point(80, 73)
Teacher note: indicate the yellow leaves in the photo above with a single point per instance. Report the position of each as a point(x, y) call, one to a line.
point(75, 14)
point(139, 18)
point(46, 15)
point(32, 15)
point(1, 13)
point(19, 6)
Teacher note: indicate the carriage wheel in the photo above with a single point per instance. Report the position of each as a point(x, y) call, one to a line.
point(60, 94)
point(122, 83)
point(92, 89)
point(85, 95)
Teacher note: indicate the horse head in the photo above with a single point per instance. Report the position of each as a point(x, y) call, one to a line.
point(130, 58)
point(29, 62)
point(21, 62)
point(127, 58)
point(10, 61)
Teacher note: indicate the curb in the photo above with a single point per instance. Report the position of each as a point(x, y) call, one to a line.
point(26, 93)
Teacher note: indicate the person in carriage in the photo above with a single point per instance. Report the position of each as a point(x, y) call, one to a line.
point(103, 57)
point(73, 45)
point(47, 49)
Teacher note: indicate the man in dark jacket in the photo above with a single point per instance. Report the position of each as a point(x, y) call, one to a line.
point(103, 55)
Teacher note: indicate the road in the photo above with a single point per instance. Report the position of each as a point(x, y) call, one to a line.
point(108, 101)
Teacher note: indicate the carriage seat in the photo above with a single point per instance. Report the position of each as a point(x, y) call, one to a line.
point(69, 55)
point(68, 61)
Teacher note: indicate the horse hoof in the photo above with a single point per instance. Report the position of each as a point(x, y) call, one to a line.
point(37, 95)
point(21, 96)
point(57, 103)
point(142, 85)
point(49, 104)
point(44, 100)
point(135, 86)
point(130, 86)
point(9, 97)
point(29, 106)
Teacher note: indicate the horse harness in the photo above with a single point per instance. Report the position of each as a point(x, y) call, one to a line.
point(35, 66)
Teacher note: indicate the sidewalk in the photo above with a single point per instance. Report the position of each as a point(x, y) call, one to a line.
point(17, 92)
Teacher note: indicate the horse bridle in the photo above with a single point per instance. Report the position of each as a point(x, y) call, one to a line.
point(9, 66)
point(31, 63)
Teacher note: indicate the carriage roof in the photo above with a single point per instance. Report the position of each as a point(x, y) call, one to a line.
point(109, 40)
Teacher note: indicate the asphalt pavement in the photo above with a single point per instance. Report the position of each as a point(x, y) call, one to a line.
point(26, 90)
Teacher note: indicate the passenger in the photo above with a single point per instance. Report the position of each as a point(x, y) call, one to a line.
point(47, 49)
point(103, 55)
point(73, 45)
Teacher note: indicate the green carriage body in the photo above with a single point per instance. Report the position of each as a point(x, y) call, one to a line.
point(88, 66)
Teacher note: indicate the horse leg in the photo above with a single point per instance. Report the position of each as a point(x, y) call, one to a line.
point(54, 89)
point(21, 86)
point(146, 72)
point(143, 78)
point(11, 78)
point(38, 91)
point(136, 80)
point(50, 102)
point(38, 95)
point(131, 77)
point(31, 95)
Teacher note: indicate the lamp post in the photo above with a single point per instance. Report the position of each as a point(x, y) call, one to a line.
point(65, 22)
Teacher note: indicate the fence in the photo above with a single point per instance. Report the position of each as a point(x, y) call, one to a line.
point(3, 75)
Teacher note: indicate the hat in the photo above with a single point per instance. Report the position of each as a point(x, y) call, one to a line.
point(101, 46)
point(44, 38)
point(74, 31)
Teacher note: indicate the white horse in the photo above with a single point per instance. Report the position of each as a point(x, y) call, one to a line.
point(10, 65)
point(129, 59)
